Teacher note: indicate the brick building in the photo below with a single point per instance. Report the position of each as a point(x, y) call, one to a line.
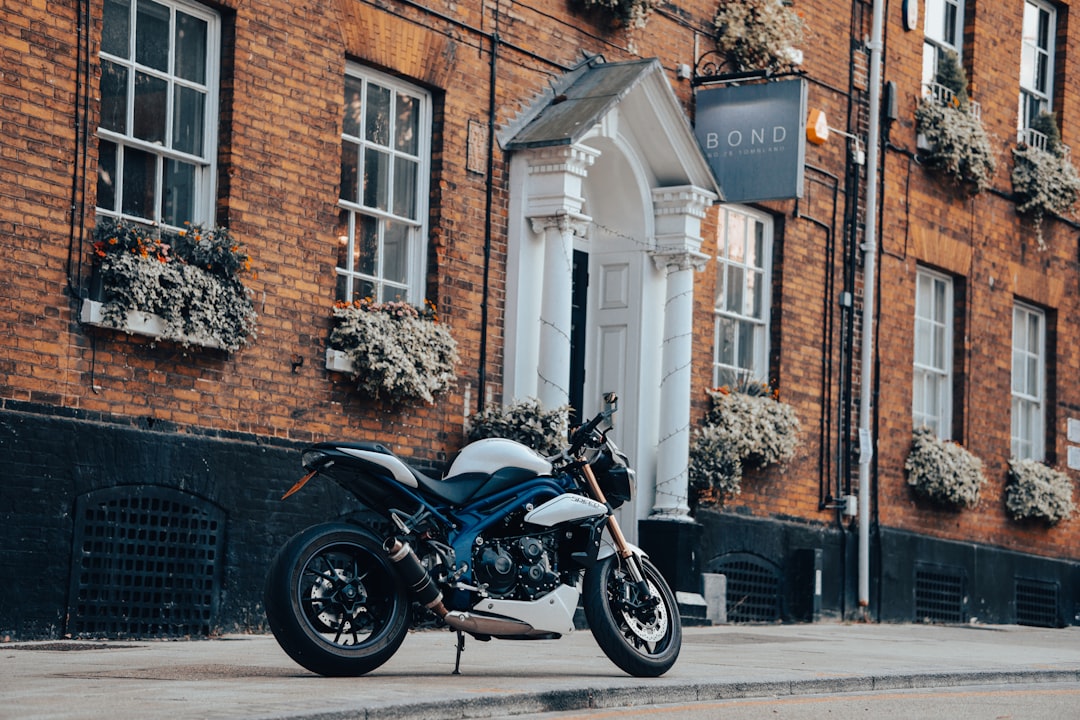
point(501, 143)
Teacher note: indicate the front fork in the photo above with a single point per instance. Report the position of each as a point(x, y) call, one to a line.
point(622, 547)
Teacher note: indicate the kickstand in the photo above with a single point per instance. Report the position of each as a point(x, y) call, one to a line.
point(460, 649)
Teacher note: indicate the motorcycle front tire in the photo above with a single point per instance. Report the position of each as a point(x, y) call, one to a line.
point(334, 602)
point(641, 644)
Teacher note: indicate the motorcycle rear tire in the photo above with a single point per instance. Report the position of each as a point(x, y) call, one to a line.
point(642, 648)
point(334, 602)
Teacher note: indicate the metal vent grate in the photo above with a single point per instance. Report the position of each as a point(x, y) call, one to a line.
point(1037, 603)
point(939, 595)
point(753, 588)
point(145, 563)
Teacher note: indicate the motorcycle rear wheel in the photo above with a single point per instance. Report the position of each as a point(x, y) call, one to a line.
point(334, 602)
point(643, 643)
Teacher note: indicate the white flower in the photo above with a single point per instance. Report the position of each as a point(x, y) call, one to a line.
point(742, 430)
point(759, 34)
point(1044, 182)
point(943, 471)
point(525, 421)
point(395, 351)
point(631, 13)
point(959, 146)
point(1037, 491)
point(191, 302)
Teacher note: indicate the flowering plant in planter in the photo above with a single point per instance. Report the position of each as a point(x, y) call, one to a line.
point(190, 279)
point(396, 349)
point(1044, 179)
point(943, 471)
point(1034, 490)
point(747, 427)
point(525, 421)
point(759, 35)
point(950, 128)
point(629, 13)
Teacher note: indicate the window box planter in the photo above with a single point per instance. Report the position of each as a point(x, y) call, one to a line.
point(393, 350)
point(951, 136)
point(1044, 180)
point(180, 286)
point(1038, 492)
point(137, 322)
point(338, 361)
point(943, 472)
point(759, 35)
point(627, 13)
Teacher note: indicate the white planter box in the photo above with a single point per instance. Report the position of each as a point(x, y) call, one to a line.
point(338, 361)
point(137, 323)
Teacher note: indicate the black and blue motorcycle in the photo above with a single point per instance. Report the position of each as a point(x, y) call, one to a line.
point(504, 546)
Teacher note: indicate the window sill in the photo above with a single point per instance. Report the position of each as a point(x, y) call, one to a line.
point(139, 323)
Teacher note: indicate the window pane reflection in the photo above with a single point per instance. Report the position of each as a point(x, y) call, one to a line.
point(139, 183)
point(152, 35)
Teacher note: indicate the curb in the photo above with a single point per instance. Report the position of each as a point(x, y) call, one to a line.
point(598, 698)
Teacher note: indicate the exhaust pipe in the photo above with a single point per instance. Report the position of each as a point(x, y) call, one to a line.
point(415, 576)
point(424, 590)
point(486, 624)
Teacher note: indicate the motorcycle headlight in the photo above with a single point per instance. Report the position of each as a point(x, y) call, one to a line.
point(616, 480)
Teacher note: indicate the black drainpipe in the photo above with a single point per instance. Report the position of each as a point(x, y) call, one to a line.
point(488, 202)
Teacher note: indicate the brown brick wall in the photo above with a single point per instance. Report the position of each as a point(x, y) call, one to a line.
point(278, 174)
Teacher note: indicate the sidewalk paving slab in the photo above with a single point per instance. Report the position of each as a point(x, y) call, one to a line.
point(249, 677)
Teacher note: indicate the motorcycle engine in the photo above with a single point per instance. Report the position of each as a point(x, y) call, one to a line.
point(516, 568)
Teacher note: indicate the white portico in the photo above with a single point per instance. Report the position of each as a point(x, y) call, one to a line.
point(606, 175)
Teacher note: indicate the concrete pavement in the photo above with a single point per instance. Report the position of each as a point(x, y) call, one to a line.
point(248, 676)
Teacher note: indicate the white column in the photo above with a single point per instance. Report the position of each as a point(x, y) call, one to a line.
point(679, 212)
point(553, 363)
point(554, 207)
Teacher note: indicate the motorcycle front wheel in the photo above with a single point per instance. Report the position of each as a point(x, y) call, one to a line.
point(333, 601)
point(643, 639)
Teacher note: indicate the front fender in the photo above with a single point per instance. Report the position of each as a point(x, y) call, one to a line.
point(607, 549)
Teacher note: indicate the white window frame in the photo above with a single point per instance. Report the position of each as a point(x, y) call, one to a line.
point(932, 373)
point(205, 162)
point(1028, 382)
point(412, 288)
point(939, 37)
point(1036, 52)
point(744, 317)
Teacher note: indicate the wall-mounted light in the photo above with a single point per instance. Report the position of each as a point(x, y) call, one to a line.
point(818, 130)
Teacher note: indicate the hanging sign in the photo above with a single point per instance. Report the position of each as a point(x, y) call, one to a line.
point(754, 137)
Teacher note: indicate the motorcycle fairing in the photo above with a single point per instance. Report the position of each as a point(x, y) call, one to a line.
point(552, 613)
point(565, 508)
point(457, 488)
point(483, 455)
point(397, 469)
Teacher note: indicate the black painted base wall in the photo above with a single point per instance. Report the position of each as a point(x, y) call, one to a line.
point(905, 569)
point(48, 462)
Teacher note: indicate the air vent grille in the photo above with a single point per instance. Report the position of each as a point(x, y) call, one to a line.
point(753, 588)
point(145, 564)
point(939, 595)
point(1037, 603)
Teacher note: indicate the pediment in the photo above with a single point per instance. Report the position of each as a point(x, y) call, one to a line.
point(632, 98)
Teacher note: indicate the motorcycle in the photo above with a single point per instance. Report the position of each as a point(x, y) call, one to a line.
point(504, 546)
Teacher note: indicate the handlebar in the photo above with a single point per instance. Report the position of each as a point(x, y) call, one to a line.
point(585, 432)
